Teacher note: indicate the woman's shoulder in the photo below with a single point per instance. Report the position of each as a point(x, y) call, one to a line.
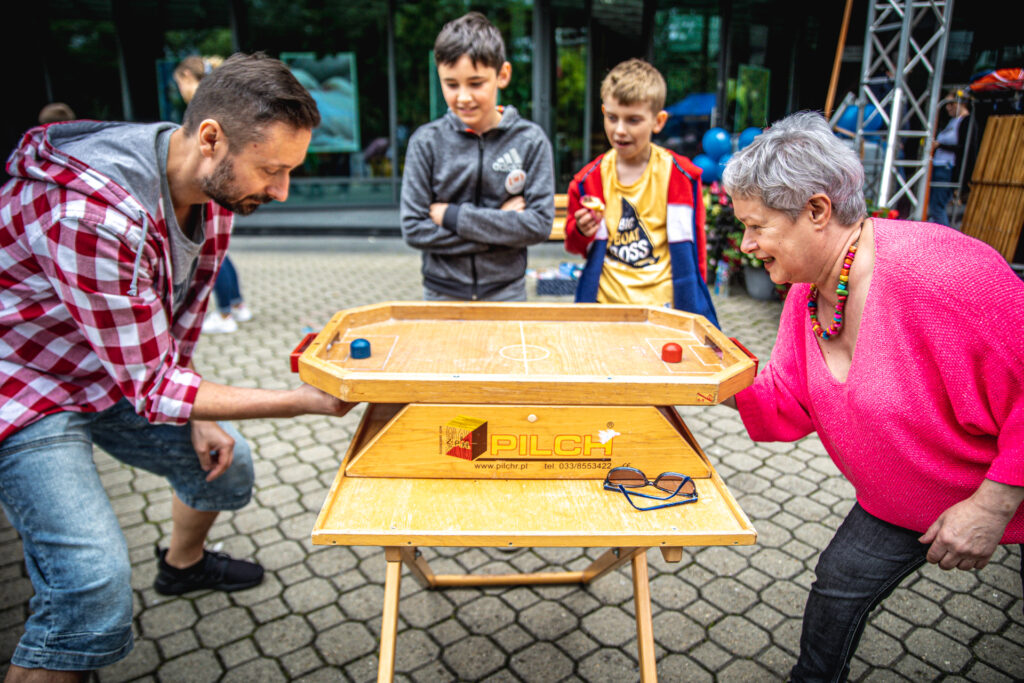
point(937, 248)
point(926, 259)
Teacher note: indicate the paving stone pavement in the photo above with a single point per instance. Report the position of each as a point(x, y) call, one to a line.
point(723, 613)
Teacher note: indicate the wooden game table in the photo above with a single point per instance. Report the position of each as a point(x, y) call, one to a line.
point(495, 425)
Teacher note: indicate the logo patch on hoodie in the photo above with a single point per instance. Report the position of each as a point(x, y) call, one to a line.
point(509, 161)
point(631, 243)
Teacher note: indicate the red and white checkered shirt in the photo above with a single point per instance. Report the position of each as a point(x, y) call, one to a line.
point(76, 333)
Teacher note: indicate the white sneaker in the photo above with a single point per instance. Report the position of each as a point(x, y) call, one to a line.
point(216, 323)
point(241, 313)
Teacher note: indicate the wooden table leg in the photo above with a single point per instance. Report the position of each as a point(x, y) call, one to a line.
point(644, 628)
point(389, 622)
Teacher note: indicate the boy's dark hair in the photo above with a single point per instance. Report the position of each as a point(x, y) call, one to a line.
point(473, 35)
point(634, 81)
point(246, 93)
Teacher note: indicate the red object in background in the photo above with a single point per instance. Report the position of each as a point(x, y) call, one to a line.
point(1011, 78)
point(297, 351)
point(745, 350)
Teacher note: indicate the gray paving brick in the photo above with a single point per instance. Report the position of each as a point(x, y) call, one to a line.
point(225, 626)
point(344, 643)
point(448, 632)
point(678, 667)
point(261, 670)
point(729, 595)
point(196, 667)
point(431, 673)
point(174, 615)
point(610, 626)
point(268, 610)
point(547, 620)
point(238, 652)
point(675, 632)
point(177, 643)
point(283, 636)
point(414, 649)
point(608, 665)
point(486, 615)
point(144, 659)
point(473, 657)
point(541, 662)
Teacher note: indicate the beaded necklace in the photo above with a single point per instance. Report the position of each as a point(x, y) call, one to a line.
point(842, 291)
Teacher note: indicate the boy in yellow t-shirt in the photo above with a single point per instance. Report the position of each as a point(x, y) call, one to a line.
point(644, 243)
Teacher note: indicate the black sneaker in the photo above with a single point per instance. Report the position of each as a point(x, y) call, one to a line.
point(216, 571)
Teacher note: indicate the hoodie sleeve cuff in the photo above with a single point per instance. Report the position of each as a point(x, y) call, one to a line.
point(451, 217)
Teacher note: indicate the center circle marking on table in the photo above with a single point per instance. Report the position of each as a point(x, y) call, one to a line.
point(524, 352)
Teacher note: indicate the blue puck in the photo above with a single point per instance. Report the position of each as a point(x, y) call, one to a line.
point(359, 348)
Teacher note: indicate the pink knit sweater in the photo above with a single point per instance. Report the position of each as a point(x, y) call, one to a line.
point(934, 400)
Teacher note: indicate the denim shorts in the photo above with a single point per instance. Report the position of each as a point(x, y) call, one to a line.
point(75, 552)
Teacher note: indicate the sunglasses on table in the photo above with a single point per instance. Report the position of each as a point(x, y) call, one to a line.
point(625, 479)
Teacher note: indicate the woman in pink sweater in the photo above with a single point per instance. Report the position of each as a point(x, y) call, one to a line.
point(902, 345)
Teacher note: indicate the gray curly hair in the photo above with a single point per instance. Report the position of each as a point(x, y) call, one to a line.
point(795, 158)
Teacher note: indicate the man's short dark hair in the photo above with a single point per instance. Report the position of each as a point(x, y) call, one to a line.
point(245, 94)
point(473, 35)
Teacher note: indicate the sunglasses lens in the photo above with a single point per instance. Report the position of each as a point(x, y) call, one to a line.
point(670, 483)
point(627, 478)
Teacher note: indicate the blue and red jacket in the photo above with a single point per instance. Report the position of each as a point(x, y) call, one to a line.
point(687, 249)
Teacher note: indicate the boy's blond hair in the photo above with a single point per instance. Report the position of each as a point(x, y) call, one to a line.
point(634, 81)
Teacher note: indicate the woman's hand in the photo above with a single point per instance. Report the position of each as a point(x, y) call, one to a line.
point(966, 534)
point(214, 446)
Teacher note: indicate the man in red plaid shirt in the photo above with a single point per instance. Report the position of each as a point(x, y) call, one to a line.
point(111, 235)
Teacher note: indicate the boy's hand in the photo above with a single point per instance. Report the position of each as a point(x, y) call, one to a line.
point(437, 210)
point(516, 203)
point(586, 224)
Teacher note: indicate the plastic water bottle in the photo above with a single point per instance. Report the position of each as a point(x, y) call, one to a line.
point(722, 279)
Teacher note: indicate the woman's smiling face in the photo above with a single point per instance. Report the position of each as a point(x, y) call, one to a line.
point(786, 246)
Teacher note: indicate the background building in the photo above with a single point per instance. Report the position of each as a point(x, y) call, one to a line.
point(734, 63)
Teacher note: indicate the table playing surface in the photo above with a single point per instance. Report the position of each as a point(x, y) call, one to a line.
point(522, 353)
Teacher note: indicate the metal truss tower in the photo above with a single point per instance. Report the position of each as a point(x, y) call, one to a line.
point(901, 82)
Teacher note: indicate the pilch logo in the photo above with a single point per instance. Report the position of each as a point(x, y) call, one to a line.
point(464, 438)
point(467, 438)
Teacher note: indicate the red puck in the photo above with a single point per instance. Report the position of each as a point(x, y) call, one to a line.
point(671, 353)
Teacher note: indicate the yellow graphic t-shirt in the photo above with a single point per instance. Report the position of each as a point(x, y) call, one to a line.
point(637, 268)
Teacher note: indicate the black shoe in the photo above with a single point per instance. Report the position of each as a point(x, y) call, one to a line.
point(216, 571)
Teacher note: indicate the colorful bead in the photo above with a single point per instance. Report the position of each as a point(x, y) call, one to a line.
point(842, 292)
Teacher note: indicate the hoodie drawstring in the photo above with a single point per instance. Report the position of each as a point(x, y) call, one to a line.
point(133, 288)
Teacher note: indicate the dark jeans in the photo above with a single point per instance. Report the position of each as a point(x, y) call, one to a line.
point(938, 197)
point(226, 287)
point(862, 565)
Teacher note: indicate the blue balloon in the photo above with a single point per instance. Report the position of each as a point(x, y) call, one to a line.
point(716, 142)
point(708, 167)
point(848, 119)
point(721, 164)
point(748, 135)
point(872, 119)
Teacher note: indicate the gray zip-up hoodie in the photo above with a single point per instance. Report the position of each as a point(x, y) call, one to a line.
point(480, 249)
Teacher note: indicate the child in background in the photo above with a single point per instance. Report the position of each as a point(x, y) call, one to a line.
point(231, 308)
point(644, 237)
point(478, 185)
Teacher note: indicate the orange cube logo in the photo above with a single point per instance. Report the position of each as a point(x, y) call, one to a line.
point(465, 438)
